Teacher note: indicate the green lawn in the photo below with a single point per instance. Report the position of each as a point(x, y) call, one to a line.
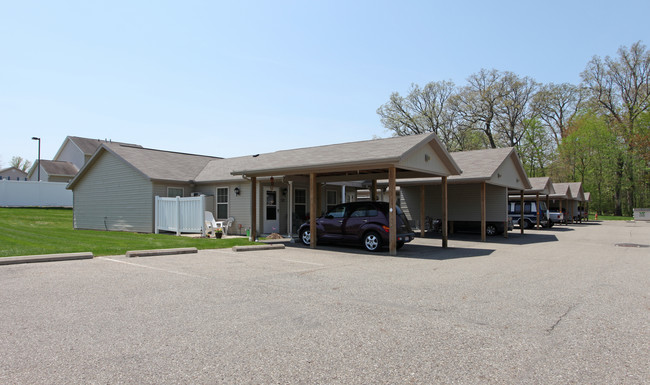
point(28, 231)
point(609, 218)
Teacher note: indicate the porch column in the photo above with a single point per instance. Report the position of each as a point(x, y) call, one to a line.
point(373, 190)
point(565, 220)
point(483, 214)
point(313, 198)
point(290, 210)
point(444, 212)
point(548, 208)
point(537, 203)
point(253, 208)
point(521, 218)
point(505, 224)
point(570, 209)
point(422, 219)
point(392, 212)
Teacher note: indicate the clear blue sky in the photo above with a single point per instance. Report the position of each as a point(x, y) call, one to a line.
point(244, 77)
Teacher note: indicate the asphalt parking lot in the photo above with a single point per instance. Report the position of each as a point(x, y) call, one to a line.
point(557, 306)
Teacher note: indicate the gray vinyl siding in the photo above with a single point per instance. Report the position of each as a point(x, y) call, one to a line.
point(72, 153)
point(464, 202)
point(113, 196)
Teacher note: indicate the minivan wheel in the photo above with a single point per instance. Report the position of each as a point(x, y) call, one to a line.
point(491, 230)
point(305, 237)
point(527, 224)
point(372, 241)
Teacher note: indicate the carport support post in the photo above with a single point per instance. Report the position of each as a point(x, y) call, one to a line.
point(422, 211)
point(392, 212)
point(313, 197)
point(253, 235)
point(444, 212)
point(505, 223)
point(537, 210)
point(483, 224)
point(373, 190)
point(521, 218)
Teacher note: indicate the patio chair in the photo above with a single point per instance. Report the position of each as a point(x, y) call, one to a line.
point(227, 225)
point(211, 226)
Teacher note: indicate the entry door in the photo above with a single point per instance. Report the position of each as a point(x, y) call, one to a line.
point(271, 211)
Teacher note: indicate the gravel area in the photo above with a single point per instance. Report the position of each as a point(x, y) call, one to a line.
point(554, 306)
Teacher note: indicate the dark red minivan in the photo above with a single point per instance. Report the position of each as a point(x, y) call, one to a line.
point(363, 223)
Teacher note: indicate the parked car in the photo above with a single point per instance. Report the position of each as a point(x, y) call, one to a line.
point(364, 223)
point(531, 211)
point(556, 216)
point(491, 228)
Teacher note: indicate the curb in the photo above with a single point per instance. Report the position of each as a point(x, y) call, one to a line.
point(258, 247)
point(151, 253)
point(45, 258)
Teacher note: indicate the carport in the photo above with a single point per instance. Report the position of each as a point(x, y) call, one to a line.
point(413, 156)
point(542, 187)
point(563, 196)
point(479, 194)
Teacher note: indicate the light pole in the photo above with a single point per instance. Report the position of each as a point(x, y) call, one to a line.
point(39, 156)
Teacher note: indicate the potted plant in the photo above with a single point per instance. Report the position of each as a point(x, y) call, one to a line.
point(218, 233)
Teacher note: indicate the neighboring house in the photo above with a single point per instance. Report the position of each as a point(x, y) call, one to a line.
point(54, 171)
point(12, 173)
point(488, 176)
point(69, 159)
point(115, 190)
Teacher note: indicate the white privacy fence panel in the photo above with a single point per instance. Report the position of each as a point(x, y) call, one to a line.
point(31, 193)
point(180, 215)
point(642, 214)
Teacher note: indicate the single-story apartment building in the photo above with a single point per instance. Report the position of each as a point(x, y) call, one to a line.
point(115, 189)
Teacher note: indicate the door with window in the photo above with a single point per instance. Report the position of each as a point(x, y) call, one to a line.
point(271, 211)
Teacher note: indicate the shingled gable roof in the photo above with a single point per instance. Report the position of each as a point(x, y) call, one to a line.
point(576, 191)
point(151, 163)
point(59, 168)
point(562, 191)
point(541, 185)
point(87, 145)
point(478, 166)
point(338, 158)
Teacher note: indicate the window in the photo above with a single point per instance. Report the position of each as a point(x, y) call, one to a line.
point(222, 203)
point(332, 198)
point(300, 202)
point(364, 211)
point(175, 192)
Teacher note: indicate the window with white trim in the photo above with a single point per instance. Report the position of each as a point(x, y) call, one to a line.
point(174, 192)
point(222, 203)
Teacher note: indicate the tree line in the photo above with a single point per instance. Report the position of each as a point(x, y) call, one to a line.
point(596, 132)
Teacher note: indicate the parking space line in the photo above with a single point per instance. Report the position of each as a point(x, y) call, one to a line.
point(306, 263)
point(154, 268)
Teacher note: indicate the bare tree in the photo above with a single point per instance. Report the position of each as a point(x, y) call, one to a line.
point(422, 110)
point(556, 105)
point(515, 113)
point(20, 163)
point(477, 103)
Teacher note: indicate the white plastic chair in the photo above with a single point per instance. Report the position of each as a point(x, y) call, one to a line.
point(227, 225)
point(211, 226)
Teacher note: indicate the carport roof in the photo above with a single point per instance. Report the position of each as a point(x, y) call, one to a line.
point(357, 160)
point(541, 185)
point(482, 166)
point(562, 191)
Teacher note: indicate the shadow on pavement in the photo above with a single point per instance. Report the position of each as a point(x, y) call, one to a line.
point(410, 250)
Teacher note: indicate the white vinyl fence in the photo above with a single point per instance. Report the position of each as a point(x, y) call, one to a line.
point(642, 214)
point(15, 193)
point(180, 215)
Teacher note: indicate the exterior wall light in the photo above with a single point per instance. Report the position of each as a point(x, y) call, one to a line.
point(237, 191)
